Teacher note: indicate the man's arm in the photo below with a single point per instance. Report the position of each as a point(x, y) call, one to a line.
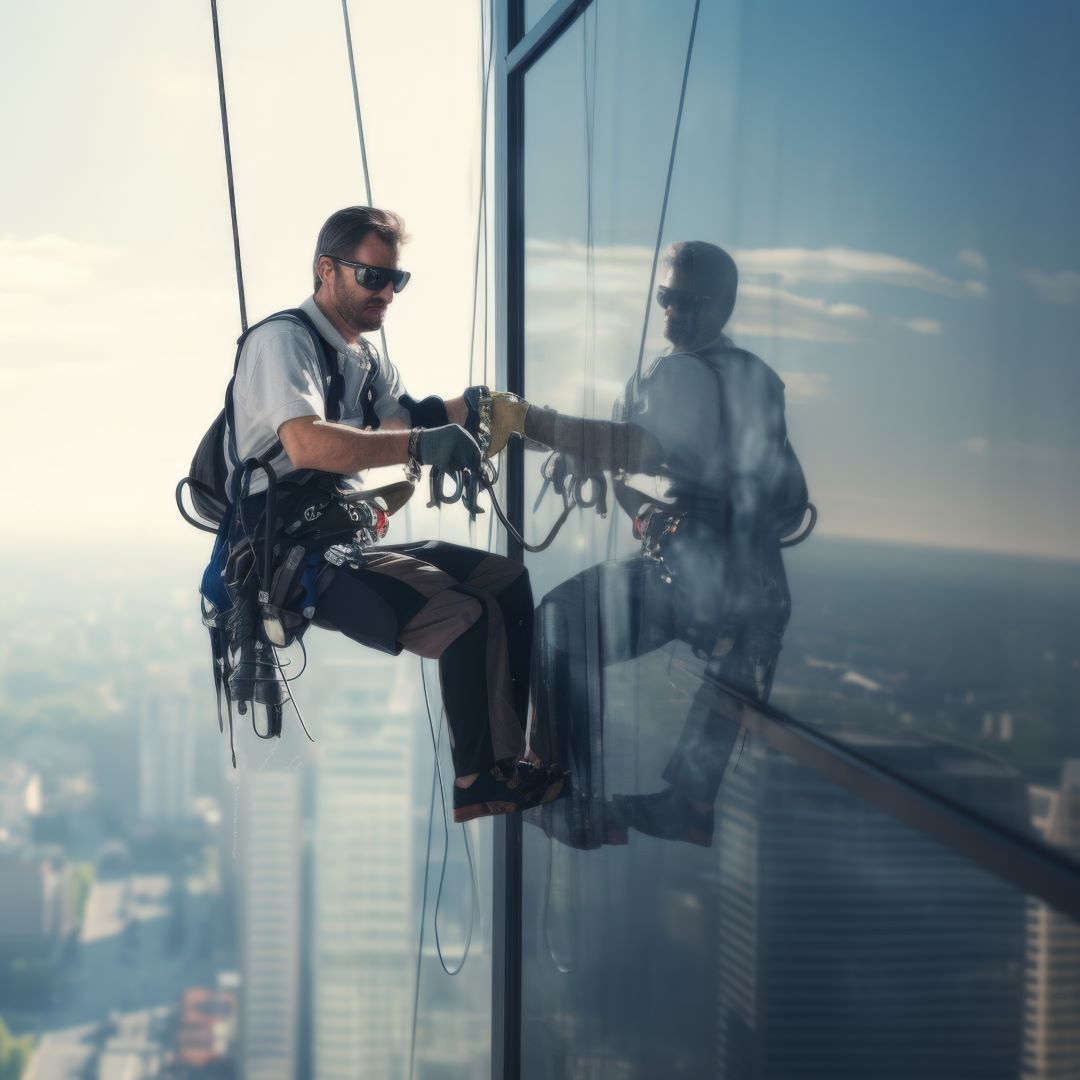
point(312, 443)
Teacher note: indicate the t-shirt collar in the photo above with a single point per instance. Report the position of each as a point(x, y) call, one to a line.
point(325, 326)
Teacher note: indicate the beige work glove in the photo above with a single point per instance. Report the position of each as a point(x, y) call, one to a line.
point(507, 418)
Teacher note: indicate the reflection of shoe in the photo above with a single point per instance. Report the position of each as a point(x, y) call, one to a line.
point(668, 815)
point(579, 821)
point(488, 794)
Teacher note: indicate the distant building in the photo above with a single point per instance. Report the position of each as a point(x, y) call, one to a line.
point(1052, 1007)
point(852, 946)
point(20, 797)
point(35, 900)
point(363, 925)
point(166, 725)
point(269, 920)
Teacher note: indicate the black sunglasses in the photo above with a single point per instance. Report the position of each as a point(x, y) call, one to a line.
point(680, 299)
point(374, 278)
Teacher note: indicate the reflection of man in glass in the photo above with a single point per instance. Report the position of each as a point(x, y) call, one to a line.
point(706, 423)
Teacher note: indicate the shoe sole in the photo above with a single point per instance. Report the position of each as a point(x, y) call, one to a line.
point(495, 807)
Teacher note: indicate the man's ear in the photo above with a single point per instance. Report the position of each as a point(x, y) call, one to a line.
point(325, 268)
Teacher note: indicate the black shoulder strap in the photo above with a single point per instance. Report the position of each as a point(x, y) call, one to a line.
point(333, 379)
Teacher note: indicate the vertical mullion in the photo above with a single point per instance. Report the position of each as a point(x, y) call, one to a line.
point(510, 337)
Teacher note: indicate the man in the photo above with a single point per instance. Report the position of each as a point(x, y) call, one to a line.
point(469, 609)
point(707, 418)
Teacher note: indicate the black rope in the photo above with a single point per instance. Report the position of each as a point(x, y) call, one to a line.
point(228, 166)
point(360, 133)
point(667, 185)
point(356, 99)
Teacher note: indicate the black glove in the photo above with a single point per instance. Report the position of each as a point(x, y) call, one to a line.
point(449, 448)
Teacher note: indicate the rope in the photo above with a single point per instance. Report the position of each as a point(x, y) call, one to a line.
point(667, 184)
point(228, 166)
point(360, 133)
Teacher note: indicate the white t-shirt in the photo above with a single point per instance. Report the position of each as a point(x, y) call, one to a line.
point(280, 378)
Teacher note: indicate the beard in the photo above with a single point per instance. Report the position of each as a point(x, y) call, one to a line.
point(363, 315)
point(680, 330)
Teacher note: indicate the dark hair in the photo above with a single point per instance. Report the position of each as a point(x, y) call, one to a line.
point(346, 228)
point(711, 270)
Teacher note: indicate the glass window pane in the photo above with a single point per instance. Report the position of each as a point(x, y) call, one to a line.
point(905, 257)
point(698, 906)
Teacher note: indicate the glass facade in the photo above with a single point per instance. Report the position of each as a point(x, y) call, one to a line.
point(894, 187)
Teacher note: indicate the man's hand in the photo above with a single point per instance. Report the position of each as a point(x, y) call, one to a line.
point(448, 448)
point(507, 418)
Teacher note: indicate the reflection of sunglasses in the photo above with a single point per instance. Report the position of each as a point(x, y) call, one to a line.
point(680, 299)
point(375, 278)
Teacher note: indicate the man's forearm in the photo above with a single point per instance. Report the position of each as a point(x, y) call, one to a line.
point(338, 448)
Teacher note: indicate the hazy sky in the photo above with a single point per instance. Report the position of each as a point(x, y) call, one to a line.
point(896, 181)
point(118, 311)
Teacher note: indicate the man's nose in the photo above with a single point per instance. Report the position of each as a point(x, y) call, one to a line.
point(386, 293)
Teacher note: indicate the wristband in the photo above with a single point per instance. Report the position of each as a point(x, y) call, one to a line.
point(412, 468)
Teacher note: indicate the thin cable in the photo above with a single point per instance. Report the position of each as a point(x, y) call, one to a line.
point(360, 132)
point(667, 185)
point(228, 166)
point(486, 59)
point(474, 900)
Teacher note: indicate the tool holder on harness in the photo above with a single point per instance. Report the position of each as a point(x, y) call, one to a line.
point(260, 587)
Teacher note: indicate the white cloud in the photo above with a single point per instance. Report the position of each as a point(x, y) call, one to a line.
point(973, 260)
point(1060, 288)
point(48, 262)
point(847, 266)
point(922, 326)
point(765, 311)
point(804, 385)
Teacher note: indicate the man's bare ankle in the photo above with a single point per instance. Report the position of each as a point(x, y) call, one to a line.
point(466, 781)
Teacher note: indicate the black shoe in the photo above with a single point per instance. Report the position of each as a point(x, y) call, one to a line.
point(490, 794)
point(667, 814)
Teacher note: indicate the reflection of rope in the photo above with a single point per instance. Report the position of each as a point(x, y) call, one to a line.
point(667, 185)
point(563, 969)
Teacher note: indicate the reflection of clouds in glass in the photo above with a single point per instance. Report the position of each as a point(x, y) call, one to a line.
point(978, 446)
point(804, 385)
point(1059, 288)
point(922, 326)
point(556, 282)
point(1019, 453)
point(846, 266)
point(973, 260)
point(764, 311)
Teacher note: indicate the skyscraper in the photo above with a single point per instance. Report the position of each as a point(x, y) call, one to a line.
point(269, 922)
point(852, 946)
point(1052, 1006)
point(363, 950)
point(167, 719)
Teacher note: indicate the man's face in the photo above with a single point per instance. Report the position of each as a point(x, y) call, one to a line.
point(690, 318)
point(359, 308)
